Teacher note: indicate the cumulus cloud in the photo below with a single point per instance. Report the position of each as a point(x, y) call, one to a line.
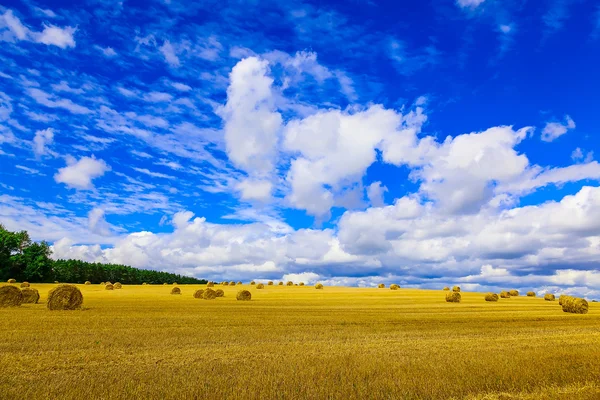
point(553, 130)
point(78, 174)
point(375, 192)
point(51, 35)
point(251, 190)
point(97, 222)
point(54, 35)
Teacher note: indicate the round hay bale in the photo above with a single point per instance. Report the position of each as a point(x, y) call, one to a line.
point(239, 283)
point(165, 284)
point(381, 285)
point(252, 283)
point(504, 294)
point(175, 290)
point(295, 284)
point(174, 283)
point(210, 284)
point(575, 305)
point(453, 297)
point(64, 297)
point(280, 284)
point(260, 286)
point(144, 284)
point(301, 284)
point(290, 283)
point(319, 286)
point(562, 298)
point(108, 283)
point(198, 294)
point(446, 288)
point(87, 283)
point(530, 294)
point(219, 293)
point(30, 295)
point(15, 281)
point(10, 296)
point(118, 285)
point(210, 294)
point(244, 295)
point(491, 297)
point(393, 286)
point(25, 284)
point(513, 293)
point(270, 283)
point(109, 287)
point(232, 283)
point(224, 283)
point(456, 289)
point(549, 297)
point(102, 283)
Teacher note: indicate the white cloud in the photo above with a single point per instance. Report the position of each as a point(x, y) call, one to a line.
point(181, 86)
point(252, 190)
point(106, 51)
point(375, 193)
point(54, 35)
point(153, 174)
point(79, 174)
point(97, 222)
point(52, 101)
point(251, 124)
point(168, 52)
point(578, 156)
point(42, 139)
point(553, 130)
point(13, 24)
point(469, 3)
point(157, 97)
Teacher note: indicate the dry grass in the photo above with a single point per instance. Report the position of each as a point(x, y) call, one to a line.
point(337, 343)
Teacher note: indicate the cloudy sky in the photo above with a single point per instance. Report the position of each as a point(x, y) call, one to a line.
point(438, 143)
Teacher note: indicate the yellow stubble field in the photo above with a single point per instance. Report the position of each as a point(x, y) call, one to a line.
point(297, 343)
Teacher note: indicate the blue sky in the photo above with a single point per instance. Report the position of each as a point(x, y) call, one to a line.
point(427, 144)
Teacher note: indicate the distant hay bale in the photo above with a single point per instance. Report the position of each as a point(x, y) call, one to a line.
point(290, 283)
point(295, 284)
point(165, 284)
point(491, 297)
point(198, 294)
point(575, 305)
point(504, 294)
point(260, 286)
point(174, 283)
point(453, 297)
point(219, 293)
point(549, 297)
point(319, 286)
point(64, 297)
point(10, 296)
point(118, 285)
point(209, 294)
point(175, 290)
point(393, 286)
point(102, 283)
point(30, 295)
point(244, 295)
point(13, 281)
point(513, 293)
point(210, 284)
point(87, 283)
point(232, 283)
point(108, 283)
point(224, 283)
point(239, 283)
point(280, 284)
point(456, 289)
point(25, 284)
point(381, 285)
point(530, 294)
point(109, 287)
point(270, 283)
point(144, 284)
point(446, 288)
point(253, 283)
point(301, 284)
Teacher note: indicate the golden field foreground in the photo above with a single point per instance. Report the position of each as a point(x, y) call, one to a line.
point(297, 343)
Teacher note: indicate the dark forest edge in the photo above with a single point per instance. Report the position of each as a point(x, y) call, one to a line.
point(25, 260)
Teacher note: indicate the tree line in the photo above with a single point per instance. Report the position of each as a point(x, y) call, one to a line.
point(25, 260)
